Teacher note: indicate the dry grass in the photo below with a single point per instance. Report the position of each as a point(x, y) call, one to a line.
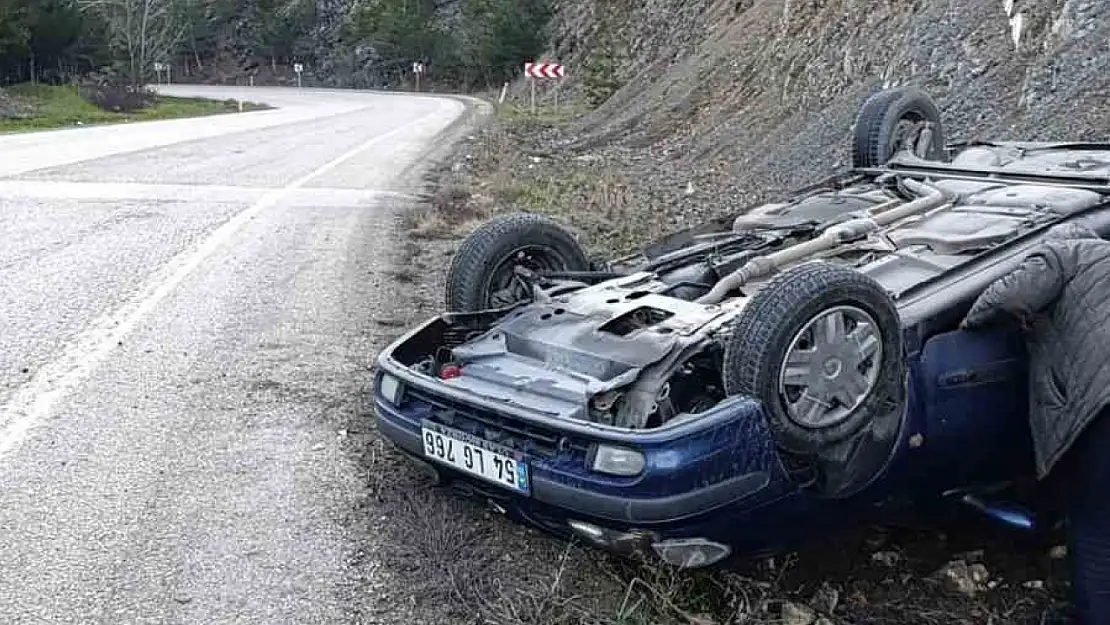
point(490, 571)
point(502, 172)
point(449, 212)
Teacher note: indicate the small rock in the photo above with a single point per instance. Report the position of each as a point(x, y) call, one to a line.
point(821, 620)
point(886, 558)
point(825, 599)
point(690, 188)
point(1034, 584)
point(979, 574)
point(1059, 552)
point(958, 577)
point(797, 614)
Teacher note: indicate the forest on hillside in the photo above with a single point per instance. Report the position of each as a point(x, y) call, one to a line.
point(464, 44)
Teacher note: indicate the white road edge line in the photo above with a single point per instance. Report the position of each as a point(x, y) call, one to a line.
point(35, 399)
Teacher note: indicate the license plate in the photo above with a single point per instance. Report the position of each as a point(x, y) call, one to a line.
point(476, 457)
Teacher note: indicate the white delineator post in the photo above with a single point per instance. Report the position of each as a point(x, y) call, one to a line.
point(297, 67)
point(529, 71)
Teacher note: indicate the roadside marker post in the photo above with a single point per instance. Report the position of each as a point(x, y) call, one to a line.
point(162, 67)
point(299, 69)
point(418, 71)
point(543, 70)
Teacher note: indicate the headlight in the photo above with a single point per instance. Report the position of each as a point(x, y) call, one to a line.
point(618, 461)
point(391, 389)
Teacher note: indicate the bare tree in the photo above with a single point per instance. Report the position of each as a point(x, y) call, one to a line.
point(142, 31)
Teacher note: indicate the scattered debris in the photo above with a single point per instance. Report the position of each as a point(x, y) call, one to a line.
point(825, 599)
point(886, 558)
point(797, 614)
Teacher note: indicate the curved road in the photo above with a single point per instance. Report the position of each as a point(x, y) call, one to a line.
point(185, 310)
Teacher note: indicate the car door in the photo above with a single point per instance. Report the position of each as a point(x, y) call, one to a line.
point(975, 394)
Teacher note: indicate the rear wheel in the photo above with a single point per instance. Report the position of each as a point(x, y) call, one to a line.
point(483, 271)
point(897, 119)
point(819, 347)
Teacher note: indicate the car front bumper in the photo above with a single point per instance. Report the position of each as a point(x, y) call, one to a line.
point(403, 432)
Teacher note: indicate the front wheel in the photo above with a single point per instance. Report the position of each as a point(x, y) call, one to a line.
point(819, 346)
point(482, 273)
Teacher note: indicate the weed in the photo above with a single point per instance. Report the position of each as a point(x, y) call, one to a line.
point(49, 107)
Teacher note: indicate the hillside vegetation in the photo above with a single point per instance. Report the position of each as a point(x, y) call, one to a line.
point(697, 106)
point(367, 43)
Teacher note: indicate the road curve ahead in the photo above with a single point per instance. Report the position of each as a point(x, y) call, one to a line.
point(185, 310)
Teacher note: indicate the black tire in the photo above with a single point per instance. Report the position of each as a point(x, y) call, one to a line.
point(763, 334)
point(489, 252)
point(883, 121)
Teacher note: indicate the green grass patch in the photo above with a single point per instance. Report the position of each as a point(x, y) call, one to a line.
point(46, 107)
point(546, 114)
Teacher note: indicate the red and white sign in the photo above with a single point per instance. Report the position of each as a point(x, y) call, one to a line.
point(544, 70)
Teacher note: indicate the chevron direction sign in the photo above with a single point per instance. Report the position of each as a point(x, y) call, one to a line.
point(544, 70)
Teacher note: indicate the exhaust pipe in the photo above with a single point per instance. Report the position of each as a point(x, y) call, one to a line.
point(882, 215)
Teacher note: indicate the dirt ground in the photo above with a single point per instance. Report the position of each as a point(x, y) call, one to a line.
point(461, 563)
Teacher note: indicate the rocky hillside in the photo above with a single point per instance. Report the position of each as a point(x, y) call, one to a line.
point(743, 97)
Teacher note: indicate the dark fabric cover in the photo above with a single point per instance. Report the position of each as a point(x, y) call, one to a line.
point(1061, 296)
point(1086, 469)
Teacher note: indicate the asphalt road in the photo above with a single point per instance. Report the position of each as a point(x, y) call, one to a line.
point(185, 314)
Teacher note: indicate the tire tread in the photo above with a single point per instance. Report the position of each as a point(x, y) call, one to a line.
point(482, 247)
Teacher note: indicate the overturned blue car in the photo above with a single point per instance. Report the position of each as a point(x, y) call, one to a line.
point(754, 382)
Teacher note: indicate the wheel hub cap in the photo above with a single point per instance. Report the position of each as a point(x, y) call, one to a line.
point(830, 367)
point(833, 367)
